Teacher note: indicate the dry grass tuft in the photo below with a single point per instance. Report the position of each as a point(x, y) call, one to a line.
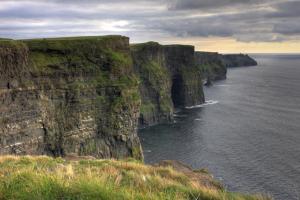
point(41, 178)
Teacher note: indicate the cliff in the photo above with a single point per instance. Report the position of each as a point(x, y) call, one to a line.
point(169, 79)
point(211, 65)
point(87, 95)
point(238, 60)
point(27, 178)
point(69, 96)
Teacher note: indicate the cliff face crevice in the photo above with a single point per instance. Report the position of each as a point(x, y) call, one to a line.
point(69, 96)
point(177, 91)
point(169, 79)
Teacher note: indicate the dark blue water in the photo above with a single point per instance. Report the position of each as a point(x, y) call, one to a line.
point(250, 139)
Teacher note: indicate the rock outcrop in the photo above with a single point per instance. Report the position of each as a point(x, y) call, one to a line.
point(238, 60)
point(169, 79)
point(69, 96)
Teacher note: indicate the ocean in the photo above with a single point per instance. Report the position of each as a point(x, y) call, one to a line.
point(247, 134)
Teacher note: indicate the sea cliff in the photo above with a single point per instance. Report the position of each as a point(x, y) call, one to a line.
point(69, 96)
point(88, 95)
point(213, 66)
point(238, 60)
point(169, 79)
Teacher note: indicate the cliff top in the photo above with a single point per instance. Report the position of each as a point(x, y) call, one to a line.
point(78, 38)
point(145, 44)
point(60, 43)
point(83, 178)
point(206, 52)
point(179, 45)
point(85, 42)
point(8, 43)
point(152, 43)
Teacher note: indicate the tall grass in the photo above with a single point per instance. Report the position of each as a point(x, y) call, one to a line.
point(44, 178)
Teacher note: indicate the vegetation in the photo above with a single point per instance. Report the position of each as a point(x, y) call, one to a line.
point(44, 178)
point(8, 43)
point(147, 107)
point(157, 77)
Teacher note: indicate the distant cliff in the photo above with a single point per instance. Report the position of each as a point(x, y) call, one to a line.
point(169, 79)
point(211, 65)
point(214, 66)
point(69, 96)
point(238, 60)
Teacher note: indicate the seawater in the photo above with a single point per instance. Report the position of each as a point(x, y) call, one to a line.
point(248, 132)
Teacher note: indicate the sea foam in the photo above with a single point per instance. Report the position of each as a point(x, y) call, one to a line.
point(209, 102)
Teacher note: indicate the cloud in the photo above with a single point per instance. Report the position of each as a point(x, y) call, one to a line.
point(211, 4)
point(286, 10)
point(243, 20)
point(287, 28)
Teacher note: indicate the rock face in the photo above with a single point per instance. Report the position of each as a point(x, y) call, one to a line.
point(86, 96)
point(69, 96)
point(238, 60)
point(211, 65)
point(169, 79)
point(214, 66)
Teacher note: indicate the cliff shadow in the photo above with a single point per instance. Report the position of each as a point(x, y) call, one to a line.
point(177, 91)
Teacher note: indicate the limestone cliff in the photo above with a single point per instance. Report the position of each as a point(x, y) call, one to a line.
point(238, 60)
point(211, 65)
point(169, 79)
point(214, 66)
point(69, 96)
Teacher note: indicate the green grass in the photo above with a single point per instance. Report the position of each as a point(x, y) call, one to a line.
point(8, 43)
point(44, 178)
point(147, 107)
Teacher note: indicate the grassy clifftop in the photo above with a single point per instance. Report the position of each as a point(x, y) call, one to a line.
point(48, 178)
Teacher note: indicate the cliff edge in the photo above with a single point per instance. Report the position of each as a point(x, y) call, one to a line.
point(238, 60)
point(21, 177)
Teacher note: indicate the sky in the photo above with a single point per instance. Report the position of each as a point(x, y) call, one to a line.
point(226, 26)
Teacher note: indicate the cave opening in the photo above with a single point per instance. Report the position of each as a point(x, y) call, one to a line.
point(177, 91)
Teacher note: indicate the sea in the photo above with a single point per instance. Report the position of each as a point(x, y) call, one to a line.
point(247, 134)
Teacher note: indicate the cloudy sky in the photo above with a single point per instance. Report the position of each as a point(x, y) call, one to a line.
point(211, 25)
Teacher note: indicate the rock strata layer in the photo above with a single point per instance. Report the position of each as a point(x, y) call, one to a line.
point(169, 80)
point(86, 96)
point(214, 66)
point(69, 96)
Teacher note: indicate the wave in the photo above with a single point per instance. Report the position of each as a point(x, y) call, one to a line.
point(209, 102)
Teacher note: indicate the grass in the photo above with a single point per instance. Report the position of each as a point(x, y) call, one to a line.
point(8, 43)
point(44, 178)
point(147, 107)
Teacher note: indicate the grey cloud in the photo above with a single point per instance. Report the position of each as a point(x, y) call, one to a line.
point(286, 9)
point(210, 4)
point(250, 20)
point(287, 28)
